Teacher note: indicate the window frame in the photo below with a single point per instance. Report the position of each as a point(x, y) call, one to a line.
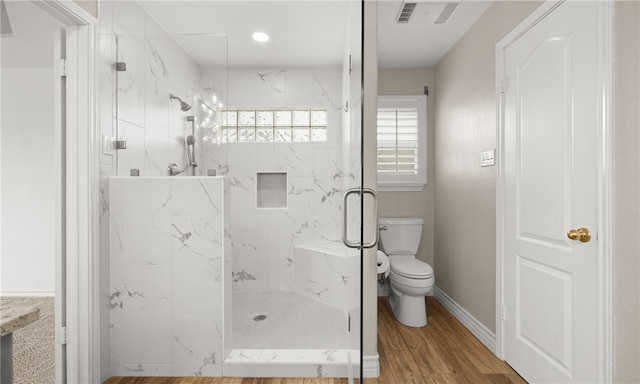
point(403, 182)
point(309, 128)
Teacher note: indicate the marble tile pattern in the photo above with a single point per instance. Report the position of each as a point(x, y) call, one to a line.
point(15, 316)
point(167, 243)
point(135, 104)
point(328, 274)
point(298, 362)
point(263, 240)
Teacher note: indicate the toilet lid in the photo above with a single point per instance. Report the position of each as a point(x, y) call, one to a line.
point(412, 268)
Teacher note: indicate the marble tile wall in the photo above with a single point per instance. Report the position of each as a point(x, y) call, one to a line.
point(167, 275)
point(135, 106)
point(263, 240)
point(328, 274)
point(152, 124)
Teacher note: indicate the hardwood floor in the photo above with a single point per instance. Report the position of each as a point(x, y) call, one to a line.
point(443, 352)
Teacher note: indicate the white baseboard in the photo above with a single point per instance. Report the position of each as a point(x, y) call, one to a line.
point(27, 294)
point(371, 366)
point(481, 332)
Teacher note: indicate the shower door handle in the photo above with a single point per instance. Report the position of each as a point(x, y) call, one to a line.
point(369, 191)
point(345, 198)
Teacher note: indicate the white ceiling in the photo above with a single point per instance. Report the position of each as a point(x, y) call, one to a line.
point(304, 33)
point(421, 45)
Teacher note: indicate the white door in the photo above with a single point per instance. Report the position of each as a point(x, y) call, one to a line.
point(551, 282)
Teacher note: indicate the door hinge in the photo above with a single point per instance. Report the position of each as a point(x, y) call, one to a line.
point(61, 67)
point(349, 323)
point(63, 335)
point(350, 65)
point(502, 315)
point(503, 85)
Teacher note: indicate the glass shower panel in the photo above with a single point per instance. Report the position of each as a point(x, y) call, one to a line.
point(129, 102)
point(170, 91)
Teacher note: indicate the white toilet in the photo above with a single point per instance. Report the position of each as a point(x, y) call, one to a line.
point(411, 279)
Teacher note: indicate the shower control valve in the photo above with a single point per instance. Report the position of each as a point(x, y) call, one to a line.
point(174, 170)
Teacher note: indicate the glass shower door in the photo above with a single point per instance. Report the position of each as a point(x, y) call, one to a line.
point(352, 200)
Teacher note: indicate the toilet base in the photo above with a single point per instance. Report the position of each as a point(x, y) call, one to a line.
point(408, 310)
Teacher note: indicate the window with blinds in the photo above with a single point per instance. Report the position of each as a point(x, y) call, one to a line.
point(401, 143)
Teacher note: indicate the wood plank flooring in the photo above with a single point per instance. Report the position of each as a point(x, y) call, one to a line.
point(443, 352)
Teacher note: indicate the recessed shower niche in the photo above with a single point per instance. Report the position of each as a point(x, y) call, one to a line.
point(271, 190)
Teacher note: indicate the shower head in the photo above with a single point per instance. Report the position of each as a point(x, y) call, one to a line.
point(183, 105)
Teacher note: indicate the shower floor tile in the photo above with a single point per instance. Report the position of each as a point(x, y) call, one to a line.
point(292, 322)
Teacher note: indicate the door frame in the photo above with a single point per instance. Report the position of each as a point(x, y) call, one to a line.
point(77, 271)
point(605, 180)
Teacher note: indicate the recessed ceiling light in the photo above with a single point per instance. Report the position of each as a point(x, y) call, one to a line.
point(260, 37)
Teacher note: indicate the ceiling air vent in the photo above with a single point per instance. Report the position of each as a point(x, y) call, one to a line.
point(424, 12)
point(406, 12)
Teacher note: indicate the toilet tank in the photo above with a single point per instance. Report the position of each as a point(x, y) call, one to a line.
point(400, 236)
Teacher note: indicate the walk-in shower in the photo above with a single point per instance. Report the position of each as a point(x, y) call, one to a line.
point(243, 273)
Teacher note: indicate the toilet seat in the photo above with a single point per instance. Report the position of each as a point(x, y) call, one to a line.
point(411, 268)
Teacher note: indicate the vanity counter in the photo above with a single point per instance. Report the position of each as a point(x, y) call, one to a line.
point(13, 316)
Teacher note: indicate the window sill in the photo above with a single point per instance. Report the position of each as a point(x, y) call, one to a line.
point(401, 187)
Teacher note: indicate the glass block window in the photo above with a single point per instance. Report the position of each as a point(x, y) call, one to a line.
point(280, 126)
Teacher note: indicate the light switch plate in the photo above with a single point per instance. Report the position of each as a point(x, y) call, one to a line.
point(487, 158)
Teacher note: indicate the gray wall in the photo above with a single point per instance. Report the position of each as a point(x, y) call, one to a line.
point(411, 81)
point(626, 192)
point(465, 193)
point(90, 6)
point(465, 125)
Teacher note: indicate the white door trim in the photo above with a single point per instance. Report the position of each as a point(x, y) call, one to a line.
point(605, 181)
point(82, 268)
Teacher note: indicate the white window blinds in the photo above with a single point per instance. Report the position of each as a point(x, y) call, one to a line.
point(398, 140)
point(401, 143)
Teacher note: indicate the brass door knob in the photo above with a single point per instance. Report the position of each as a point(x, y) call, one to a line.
point(582, 234)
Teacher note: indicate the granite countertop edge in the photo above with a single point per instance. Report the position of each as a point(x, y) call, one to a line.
point(14, 317)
